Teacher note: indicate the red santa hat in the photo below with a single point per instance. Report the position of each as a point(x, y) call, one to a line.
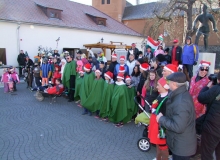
point(144, 66)
point(121, 69)
point(97, 71)
point(122, 58)
point(120, 75)
point(205, 63)
point(162, 81)
point(170, 67)
point(87, 67)
point(114, 55)
point(127, 78)
point(109, 75)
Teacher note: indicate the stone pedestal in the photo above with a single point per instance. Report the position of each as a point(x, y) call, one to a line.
point(210, 57)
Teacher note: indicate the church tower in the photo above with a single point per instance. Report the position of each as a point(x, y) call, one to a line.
point(113, 8)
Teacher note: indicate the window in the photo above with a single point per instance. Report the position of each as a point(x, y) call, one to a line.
point(108, 1)
point(2, 56)
point(101, 22)
point(103, 1)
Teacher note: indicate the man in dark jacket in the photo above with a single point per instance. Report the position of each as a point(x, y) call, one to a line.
point(148, 53)
point(134, 50)
point(112, 65)
point(180, 119)
point(210, 95)
point(176, 53)
point(21, 61)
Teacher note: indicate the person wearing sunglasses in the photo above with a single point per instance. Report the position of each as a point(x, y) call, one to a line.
point(69, 76)
point(197, 83)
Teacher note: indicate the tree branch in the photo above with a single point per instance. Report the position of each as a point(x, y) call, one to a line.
point(181, 8)
point(179, 1)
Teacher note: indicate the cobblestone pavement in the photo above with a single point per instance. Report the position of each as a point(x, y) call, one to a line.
point(38, 130)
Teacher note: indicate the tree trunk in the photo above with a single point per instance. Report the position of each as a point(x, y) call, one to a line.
point(189, 19)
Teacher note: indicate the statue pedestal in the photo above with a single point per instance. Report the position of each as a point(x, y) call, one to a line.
point(210, 57)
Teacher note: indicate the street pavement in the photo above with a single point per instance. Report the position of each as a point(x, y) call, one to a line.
point(33, 130)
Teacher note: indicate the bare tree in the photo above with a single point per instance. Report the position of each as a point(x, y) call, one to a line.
point(167, 13)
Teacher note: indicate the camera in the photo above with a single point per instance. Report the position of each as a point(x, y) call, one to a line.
point(213, 78)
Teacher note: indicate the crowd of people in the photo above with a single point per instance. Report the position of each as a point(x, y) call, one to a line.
point(107, 91)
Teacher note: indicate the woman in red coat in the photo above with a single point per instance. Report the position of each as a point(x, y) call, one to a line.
point(197, 83)
point(159, 105)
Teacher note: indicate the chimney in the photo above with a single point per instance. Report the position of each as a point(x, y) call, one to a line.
point(137, 2)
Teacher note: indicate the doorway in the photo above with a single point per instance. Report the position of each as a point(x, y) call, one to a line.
point(3, 56)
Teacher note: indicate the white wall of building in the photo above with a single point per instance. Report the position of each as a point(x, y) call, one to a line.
point(30, 38)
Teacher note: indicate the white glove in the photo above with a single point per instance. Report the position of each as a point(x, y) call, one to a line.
point(180, 67)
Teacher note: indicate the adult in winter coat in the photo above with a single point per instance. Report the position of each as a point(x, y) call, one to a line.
point(112, 65)
point(69, 77)
point(176, 53)
point(131, 63)
point(197, 83)
point(134, 51)
point(21, 61)
point(122, 63)
point(189, 57)
point(210, 95)
point(180, 118)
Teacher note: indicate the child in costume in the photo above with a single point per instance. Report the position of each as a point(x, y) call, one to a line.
point(86, 87)
point(79, 80)
point(56, 74)
point(57, 89)
point(149, 90)
point(107, 95)
point(45, 72)
point(154, 134)
point(37, 77)
point(79, 64)
point(15, 79)
point(94, 99)
point(132, 108)
point(4, 80)
point(10, 81)
point(159, 51)
point(119, 102)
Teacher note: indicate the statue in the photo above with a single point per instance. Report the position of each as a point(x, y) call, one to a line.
point(203, 29)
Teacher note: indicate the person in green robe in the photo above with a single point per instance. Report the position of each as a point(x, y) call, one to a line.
point(93, 101)
point(86, 87)
point(69, 77)
point(119, 102)
point(106, 96)
point(132, 108)
point(79, 79)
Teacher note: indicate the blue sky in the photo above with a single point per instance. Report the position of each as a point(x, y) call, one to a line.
point(89, 2)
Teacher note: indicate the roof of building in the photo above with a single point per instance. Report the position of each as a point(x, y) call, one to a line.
point(146, 10)
point(141, 11)
point(128, 4)
point(73, 15)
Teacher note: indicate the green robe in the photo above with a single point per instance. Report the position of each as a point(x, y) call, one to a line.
point(86, 87)
point(94, 99)
point(70, 69)
point(132, 107)
point(119, 104)
point(78, 87)
point(106, 100)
